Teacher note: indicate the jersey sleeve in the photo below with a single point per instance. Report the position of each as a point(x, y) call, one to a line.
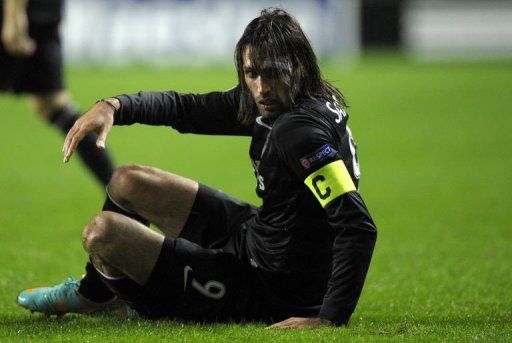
point(213, 113)
point(308, 149)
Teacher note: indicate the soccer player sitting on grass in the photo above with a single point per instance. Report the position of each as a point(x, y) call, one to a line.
point(299, 260)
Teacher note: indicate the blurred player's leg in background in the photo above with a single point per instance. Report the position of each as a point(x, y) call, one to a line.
point(31, 63)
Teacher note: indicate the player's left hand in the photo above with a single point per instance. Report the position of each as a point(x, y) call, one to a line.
point(15, 36)
point(99, 119)
point(301, 323)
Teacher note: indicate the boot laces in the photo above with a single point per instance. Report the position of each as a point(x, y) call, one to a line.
point(61, 292)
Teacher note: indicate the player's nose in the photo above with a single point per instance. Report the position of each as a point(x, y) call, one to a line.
point(263, 85)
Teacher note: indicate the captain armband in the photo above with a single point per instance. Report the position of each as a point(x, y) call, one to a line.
point(330, 182)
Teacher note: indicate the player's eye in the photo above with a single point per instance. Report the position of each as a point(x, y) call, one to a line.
point(251, 74)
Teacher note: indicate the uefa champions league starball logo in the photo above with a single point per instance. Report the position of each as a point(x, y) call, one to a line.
point(305, 163)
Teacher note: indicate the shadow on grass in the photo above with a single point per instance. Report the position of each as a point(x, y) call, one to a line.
point(37, 326)
point(105, 328)
point(110, 321)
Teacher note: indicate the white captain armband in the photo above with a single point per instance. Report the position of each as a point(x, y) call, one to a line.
point(330, 182)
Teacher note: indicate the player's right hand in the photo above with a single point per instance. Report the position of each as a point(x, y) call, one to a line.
point(15, 36)
point(99, 119)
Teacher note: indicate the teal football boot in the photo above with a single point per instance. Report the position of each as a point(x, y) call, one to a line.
point(64, 298)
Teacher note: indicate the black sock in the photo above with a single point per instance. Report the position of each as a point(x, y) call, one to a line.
point(91, 285)
point(97, 160)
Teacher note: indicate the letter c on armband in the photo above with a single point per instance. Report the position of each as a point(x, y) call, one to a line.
point(315, 181)
point(330, 182)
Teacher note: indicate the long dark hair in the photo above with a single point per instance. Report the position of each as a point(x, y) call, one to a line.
point(277, 36)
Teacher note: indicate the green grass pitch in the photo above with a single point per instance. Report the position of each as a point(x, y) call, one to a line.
point(436, 158)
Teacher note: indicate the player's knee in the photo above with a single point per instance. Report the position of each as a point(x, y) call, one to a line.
point(40, 107)
point(99, 232)
point(126, 183)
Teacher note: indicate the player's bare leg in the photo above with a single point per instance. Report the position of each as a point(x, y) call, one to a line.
point(45, 104)
point(162, 198)
point(120, 246)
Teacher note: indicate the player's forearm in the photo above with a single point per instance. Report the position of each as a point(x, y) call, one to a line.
point(211, 113)
point(352, 253)
point(350, 267)
point(151, 108)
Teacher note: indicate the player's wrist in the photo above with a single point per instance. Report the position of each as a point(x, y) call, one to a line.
point(112, 103)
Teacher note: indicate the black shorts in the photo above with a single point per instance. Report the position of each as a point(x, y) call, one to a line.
point(37, 74)
point(200, 276)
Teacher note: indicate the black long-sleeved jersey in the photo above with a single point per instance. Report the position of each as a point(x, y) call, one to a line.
point(312, 240)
